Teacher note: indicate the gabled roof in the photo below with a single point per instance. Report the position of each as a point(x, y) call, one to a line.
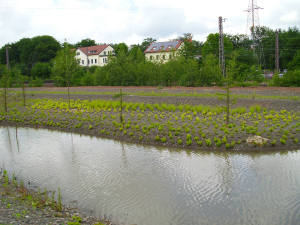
point(163, 46)
point(93, 50)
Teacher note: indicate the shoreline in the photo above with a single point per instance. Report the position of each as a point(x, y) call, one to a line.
point(90, 133)
point(181, 122)
point(22, 206)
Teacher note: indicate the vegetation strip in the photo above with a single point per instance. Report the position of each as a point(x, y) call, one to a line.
point(182, 126)
point(167, 94)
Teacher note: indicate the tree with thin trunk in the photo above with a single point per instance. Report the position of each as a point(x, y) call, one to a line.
point(64, 68)
point(4, 83)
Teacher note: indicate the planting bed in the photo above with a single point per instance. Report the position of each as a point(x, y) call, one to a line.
point(175, 120)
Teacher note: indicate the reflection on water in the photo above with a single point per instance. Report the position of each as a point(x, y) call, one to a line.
point(143, 185)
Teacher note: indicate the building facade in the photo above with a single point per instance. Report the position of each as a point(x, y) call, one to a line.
point(94, 55)
point(162, 52)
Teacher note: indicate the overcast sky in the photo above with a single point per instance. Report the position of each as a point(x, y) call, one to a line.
point(130, 21)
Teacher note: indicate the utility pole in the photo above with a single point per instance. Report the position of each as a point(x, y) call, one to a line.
point(221, 47)
point(252, 23)
point(222, 65)
point(276, 52)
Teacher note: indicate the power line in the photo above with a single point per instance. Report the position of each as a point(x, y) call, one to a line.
point(46, 8)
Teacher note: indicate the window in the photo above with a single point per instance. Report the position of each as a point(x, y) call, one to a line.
point(151, 57)
point(170, 56)
point(164, 57)
point(157, 57)
point(95, 60)
point(82, 62)
point(104, 52)
point(91, 61)
point(78, 53)
point(88, 61)
point(104, 60)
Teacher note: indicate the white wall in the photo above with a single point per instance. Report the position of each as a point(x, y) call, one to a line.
point(158, 56)
point(94, 60)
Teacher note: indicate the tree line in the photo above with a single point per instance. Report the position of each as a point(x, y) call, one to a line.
point(33, 60)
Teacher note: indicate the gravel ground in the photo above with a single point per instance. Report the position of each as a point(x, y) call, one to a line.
point(275, 104)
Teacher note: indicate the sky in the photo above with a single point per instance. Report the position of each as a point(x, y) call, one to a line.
point(130, 21)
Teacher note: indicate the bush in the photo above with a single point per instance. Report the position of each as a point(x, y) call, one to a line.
point(291, 78)
point(41, 70)
point(35, 82)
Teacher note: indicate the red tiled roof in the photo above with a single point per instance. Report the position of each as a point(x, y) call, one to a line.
point(93, 50)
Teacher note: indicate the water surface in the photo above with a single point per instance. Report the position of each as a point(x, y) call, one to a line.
point(132, 184)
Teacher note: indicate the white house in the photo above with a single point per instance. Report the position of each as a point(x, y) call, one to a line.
point(94, 55)
point(163, 51)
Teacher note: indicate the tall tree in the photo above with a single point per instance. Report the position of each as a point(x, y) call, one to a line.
point(211, 45)
point(120, 48)
point(146, 42)
point(64, 66)
point(191, 48)
point(85, 43)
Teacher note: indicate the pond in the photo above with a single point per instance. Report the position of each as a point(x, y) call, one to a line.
point(133, 184)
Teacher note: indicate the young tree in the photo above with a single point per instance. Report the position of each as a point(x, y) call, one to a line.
point(64, 68)
point(210, 73)
point(4, 83)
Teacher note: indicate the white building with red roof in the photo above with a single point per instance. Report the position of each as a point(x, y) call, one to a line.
point(163, 51)
point(94, 55)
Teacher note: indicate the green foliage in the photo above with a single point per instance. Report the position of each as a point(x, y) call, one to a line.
point(146, 42)
point(41, 70)
point(85, 43)
point(295, 63)
point(211, 45)
point(210, 73)
point(291, 78)
point(64, 67)
point(28, 51)
point(37, 82)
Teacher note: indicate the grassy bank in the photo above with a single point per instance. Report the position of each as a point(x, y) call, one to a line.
point(19, 205)
point(182, 126)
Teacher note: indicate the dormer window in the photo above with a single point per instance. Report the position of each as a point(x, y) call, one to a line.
point(77, 53)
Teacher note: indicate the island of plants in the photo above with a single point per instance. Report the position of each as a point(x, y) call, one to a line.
point(199, 127)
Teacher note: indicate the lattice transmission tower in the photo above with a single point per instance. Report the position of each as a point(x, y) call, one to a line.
point(252, 26)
